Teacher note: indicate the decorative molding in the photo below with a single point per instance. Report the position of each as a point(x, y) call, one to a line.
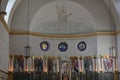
point(3, 72)
point(56, 35)
point(3, 13)
point(19, 33)
point(5, 24)
point(106, 33)
point(62, 36)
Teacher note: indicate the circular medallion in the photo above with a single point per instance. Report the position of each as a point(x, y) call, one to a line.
point(63, 46)
point(81, 46)
point(44, 45)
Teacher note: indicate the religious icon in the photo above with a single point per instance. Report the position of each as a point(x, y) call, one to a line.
point(81, 46)
point(63, 46)
point(44, 46)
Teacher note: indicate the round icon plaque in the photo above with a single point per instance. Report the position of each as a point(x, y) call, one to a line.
point(44, 45)
point(63, 46)
point(81, 46)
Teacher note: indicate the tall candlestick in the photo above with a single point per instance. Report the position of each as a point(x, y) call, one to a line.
point(32, 63)
point(58, 64)
point(113, 52)
point(45, 63)
point(81, 64)
point(11, 57)
point(101, 63)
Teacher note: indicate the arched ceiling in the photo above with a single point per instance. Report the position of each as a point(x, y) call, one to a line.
point(93, 15)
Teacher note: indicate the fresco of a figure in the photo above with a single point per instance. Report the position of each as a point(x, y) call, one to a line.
point(62, 15)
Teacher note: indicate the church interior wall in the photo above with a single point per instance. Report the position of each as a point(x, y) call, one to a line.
point(104, 43)
point(96, 45)
point(100, 16)
point(4, 49)
point(118, 48)
point(53, 48)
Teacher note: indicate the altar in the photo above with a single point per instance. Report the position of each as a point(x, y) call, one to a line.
point(58, 68)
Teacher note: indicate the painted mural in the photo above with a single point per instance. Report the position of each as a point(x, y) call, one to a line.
point(64, 19)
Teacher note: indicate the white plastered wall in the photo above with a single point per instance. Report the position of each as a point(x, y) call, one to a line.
point(118, 49)
point(53, 48)
point(4, 48)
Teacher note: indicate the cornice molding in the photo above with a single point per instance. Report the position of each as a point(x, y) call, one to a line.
point(61, 35)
